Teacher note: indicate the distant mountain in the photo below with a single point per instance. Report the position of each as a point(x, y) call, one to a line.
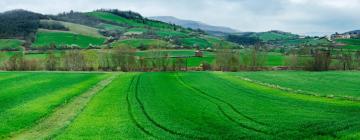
point(195, 25)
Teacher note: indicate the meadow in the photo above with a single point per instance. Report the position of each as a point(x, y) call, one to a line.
point(352, 44)
point(60, 38)
point(27, 97)
point(10, 44)
point(195, 105)
point(329, 84)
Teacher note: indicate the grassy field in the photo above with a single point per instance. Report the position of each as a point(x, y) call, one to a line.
point(135, 43)
point(353, 44)
point(29, 97)
point(6, 44)
point(195, 105)
point(77, 28)
point(46, 38)
point(114, 18)
point(337, 84)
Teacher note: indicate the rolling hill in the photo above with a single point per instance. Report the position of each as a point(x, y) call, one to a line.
point(100, 28)
point(194, 24)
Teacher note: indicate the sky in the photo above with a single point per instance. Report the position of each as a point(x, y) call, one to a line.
point(308, 17)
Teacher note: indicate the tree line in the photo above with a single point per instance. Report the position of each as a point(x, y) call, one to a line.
point(125, 59)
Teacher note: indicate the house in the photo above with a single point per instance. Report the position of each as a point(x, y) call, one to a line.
point(340, 36)
point(199, 53)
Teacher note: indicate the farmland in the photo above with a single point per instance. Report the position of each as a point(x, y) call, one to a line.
point(195, 105)
point(59, 38)
point(320, 83)
point(10, 44)
point(29, 100)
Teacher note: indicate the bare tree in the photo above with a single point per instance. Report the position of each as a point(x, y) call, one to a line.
point(51, 61)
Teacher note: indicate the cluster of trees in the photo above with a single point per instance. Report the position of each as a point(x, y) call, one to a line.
point(77, 17)
point(52, 25)
point(246, 39)
point(236, 60)
point(19, 24)
point(117, 59)
point(324, 60)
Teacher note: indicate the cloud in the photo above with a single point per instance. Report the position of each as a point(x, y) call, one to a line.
point(299, 16)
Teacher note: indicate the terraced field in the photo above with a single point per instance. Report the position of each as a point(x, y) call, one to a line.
point(194, 105)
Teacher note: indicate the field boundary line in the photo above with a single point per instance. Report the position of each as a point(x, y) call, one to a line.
point(63, 115)
point(302, 92)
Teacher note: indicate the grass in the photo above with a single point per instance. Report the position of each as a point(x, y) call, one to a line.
point(353, 44)
point(136, 43)
point(46, 38)
point(13, 44)
point(170, 33)
point(29, 97)
point(111, 27)
point(275, 59)
point(340, 84)
point(195, 42)
point(78, 29)
point(271, 36)
point(114, 18)
point(209, 106)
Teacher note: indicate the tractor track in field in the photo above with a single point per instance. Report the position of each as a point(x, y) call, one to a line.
point(61, 117)
point(137, 124)
point(222, 110)
point(142, 107)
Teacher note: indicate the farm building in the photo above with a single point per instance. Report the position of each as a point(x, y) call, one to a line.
point(199, 53)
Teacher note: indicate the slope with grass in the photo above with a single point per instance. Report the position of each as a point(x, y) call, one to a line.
point(27, 97)
point(45, 38)
point(353, 44)
point(274, 35)
point(114, 18)
point(136, 43)
point(77, 28)
point(10, 44)
point(330, 84)
point(209, 106)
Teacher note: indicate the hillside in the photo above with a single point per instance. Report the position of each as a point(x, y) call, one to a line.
point(194, 24)
point(98, 29)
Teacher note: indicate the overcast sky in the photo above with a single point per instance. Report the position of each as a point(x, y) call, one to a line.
point(297, 16)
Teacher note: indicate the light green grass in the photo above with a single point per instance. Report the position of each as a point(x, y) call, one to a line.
point(341, 84)
point(135, 43)
point(353, 44)
point(111, 27)
point(46, 38)
point(27, 97)
point(195, 42)
point(77, 28)
point(6, 44)
point(114, 18)
point(209, 106)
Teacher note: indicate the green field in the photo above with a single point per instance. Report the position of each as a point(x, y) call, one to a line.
point(6, 44)
point(28, 97)
point(77, 28)
point(353, 44)
point(330, 84)
point(136, 43)
point(194, 105)
point(46, 38)
point(114, 18)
